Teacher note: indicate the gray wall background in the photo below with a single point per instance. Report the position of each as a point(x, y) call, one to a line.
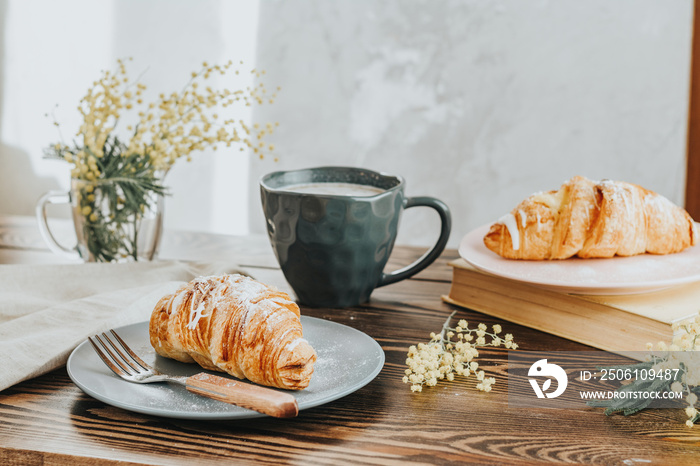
point(480, 103)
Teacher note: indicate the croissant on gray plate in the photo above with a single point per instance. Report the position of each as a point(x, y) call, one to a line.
point(235, 324)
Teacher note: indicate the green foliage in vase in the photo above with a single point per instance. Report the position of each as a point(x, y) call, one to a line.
point(120, 179)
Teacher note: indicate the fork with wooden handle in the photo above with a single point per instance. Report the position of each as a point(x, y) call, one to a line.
point(127, 365)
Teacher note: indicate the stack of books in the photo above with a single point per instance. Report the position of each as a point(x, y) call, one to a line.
point(619, 324)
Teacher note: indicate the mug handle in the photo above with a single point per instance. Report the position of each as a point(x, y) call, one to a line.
point(53, 197)
point(432, 254)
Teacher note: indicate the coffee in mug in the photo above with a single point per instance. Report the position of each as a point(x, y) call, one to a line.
point(333, 229)
point(337, 189)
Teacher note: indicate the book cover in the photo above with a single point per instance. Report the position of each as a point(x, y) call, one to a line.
point(619, 323)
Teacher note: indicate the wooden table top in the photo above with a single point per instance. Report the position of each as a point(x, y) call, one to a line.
point(50, 420)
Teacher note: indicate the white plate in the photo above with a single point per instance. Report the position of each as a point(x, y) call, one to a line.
point(614, 276)
point(347, 361)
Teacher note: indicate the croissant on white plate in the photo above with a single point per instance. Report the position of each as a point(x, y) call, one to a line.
point(591, 219)
point(234, 324)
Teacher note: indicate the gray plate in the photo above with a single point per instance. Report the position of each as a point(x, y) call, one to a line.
point(347, 361)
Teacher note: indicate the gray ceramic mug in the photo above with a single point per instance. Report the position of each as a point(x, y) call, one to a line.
point(333, 229)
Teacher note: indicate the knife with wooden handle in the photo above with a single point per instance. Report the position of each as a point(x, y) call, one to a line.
point(261, 399)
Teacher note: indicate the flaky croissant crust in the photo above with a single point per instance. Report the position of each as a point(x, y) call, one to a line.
point(592, 219)
point(234, 324)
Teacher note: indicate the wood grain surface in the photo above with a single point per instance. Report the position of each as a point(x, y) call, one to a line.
point(48, 420)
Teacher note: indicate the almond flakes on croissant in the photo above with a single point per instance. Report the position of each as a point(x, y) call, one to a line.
point(592, 219)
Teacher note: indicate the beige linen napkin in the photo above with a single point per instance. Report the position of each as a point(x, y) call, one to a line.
point(47, 310)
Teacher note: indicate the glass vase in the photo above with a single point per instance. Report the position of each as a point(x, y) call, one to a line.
point(114, 221)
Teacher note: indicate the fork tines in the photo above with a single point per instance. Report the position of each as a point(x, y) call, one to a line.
point(113, 355)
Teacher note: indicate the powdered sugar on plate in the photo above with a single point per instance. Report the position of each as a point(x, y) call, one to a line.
point(347, 361)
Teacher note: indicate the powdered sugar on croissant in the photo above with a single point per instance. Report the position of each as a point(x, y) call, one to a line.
point(592, 219)
point(237, 325)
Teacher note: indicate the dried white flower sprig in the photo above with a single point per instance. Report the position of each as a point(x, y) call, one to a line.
point(444, 357)
point(681, 358)
point(683, 354)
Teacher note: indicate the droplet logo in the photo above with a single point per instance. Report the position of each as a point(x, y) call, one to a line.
point(542, 368)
